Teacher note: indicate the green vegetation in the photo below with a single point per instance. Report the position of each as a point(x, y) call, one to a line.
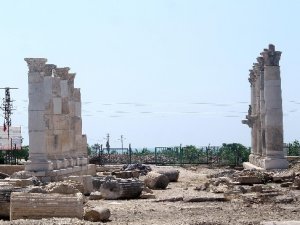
point(294, 148)
point(234, 154)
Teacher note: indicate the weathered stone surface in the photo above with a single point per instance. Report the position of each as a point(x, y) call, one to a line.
point(126, 174)
point(284, 176)
point(155, 180)
point(86, 181)
point(121, 188)
point(55, 133)
point(96, 214)
point(95, 195)
point(265, 115)
point(3, 175)
point(280, 223)
point(172, 175)
point(38, 206)
point(250, 180)
point(65, 187)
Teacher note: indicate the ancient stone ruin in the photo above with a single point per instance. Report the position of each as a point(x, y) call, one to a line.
point(265, 117)
point(57, 145)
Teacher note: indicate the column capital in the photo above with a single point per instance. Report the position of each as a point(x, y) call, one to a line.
point(252, 77)
point(48, 69)
point(36, 64)
point(63, 73)
point(270, 56)
point(261, 63)
point(256, 69)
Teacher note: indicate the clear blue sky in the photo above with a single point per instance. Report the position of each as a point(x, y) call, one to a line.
point(160, 72)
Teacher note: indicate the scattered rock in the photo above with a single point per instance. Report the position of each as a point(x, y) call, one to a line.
point(96, 214)
point(63, 187)
point(113, 188)
point(155, 180)
point(147, 196)
point(143, 169)
point(284, 176)
point(96, 195)
point(3, 175)
point(172, 175)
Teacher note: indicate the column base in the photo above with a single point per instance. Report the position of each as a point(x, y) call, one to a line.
point(37, 166)
point(266, 163)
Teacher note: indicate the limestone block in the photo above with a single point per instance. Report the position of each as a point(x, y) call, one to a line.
point(56, 88)
point(172, 175)
point(38, 165)
point(57, 105)
point(47, 89)
point(71, 108)
point(96, 214)
point(76, 95)
point(35, 78)
point(61, 122)
point(65, 105)
point(91, 169)
point(272, 73)
point(36, 121)
point(78, 109)
point(37, 142)
point(121, 188)
point(76, 124)
point(86, 181)
point(64, 88)
point(155, 180)
point(96, 195)
point(36, 96)
point(38, 206)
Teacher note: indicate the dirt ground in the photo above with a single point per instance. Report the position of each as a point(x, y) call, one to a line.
point(162, 210)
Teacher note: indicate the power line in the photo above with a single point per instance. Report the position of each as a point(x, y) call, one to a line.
point(7, 107)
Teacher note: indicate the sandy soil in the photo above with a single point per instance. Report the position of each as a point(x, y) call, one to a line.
point(157, 211)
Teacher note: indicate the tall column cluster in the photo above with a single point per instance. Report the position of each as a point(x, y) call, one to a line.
point(265, 117)
point(55, 125)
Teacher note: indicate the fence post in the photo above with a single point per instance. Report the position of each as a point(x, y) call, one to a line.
point(155, 156)
point(129, 153)
point(180, 154)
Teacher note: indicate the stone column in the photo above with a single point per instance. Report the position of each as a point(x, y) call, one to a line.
point(260, 61)
point(38, 160)
point(250, 119)
point(273, 111)
point(257, 111)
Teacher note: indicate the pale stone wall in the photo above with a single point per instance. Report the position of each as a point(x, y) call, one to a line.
point(38, 206)
point(265, 117)
point(10, 169)
point(55, 126)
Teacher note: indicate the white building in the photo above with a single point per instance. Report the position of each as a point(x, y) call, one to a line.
point(14, 141)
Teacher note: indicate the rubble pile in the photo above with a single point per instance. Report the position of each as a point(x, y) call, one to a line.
point(254, 186)
point(141, 168)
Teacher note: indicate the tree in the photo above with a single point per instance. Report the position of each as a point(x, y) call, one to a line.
point(234, 154)
point(23, 153)
point(294, 148)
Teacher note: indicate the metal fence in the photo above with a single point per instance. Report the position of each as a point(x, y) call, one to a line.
point(178, 155)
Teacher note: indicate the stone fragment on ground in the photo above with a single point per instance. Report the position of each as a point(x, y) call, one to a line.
point(117, 188)
point(96, 214)
point(38, 206)
point(155, 180)
point(64, 187)
point(3, 175)
point(95, 195)
point(86, 181)
point(172, 174)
